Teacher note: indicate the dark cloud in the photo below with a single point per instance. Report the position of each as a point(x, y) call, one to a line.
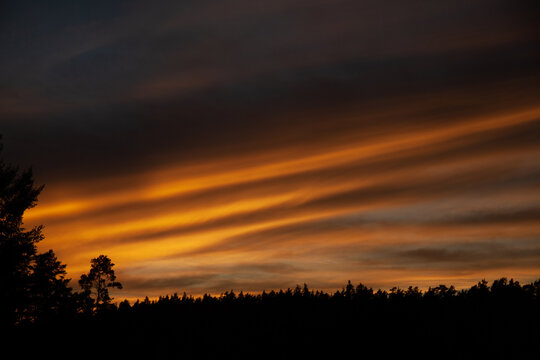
point(235, 74)
point(178, 282)
point(214, 279)
point(457, 257)
point(503, 216)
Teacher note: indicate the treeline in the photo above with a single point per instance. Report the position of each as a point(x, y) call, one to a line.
point(500, 290)
point(500, 320)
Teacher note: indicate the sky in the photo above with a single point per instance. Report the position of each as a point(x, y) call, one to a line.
point(207, 146)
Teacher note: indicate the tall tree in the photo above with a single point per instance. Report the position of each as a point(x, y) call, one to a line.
point(20, 264)
point(98, 281)
point(17, 245)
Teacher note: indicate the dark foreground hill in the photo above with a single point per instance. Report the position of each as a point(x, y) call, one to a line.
point(501, 321)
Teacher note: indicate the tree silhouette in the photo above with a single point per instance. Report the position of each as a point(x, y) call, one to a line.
point(49, 288)
point(98, 281)
point(26, 278)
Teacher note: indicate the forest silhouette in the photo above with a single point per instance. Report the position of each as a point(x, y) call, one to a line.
point(40, 313)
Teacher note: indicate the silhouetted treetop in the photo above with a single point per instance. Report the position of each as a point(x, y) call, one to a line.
point(98, 281)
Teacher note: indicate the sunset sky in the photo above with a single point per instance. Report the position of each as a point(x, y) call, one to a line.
point(207, 145)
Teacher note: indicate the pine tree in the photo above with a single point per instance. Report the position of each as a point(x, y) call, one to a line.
point(20, 264)
point(51, 296)
point(17, 245)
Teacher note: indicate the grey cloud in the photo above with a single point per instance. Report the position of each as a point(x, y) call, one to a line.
point(131, 283)
point(456, 257)
point(247, 276)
